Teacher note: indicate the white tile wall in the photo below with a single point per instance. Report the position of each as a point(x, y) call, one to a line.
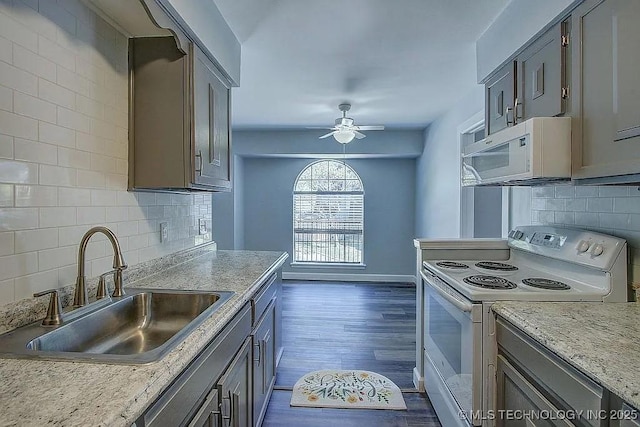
point(610, 209)
point(63, 152)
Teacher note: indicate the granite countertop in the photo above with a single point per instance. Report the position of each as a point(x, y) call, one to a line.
point(57, 393)
point(601, 340)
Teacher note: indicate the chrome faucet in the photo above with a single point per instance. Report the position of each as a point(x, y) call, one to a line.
point(80, 294)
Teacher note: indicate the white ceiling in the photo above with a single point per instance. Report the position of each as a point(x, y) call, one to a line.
point(400, 63)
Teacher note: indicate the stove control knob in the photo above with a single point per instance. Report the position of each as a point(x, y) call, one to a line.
point(583, 246)
point(597, 250)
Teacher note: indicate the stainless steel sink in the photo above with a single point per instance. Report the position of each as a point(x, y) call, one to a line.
point(137, 328)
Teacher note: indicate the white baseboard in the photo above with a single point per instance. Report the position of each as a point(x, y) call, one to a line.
point(346, 277)
point(418, 381)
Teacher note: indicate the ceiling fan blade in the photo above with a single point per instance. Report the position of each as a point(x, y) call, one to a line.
point(319, 127)
point(371, 127)
point(358, 134)
point(327, 135)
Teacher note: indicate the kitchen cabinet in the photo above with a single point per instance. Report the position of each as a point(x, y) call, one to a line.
point(605, 94)
point(264, 372)
point(230, 382)
point(180, 133)
point(532, 379)
point(541, 75)
point(532, 84)
point(500, 93)
point(235, 389)
point(200, 394)
point(265, 333)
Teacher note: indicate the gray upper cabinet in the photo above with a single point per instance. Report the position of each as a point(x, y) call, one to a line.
point(606, 132)
point(500, 93)
point(532, 84)
point(541, 76)
point(179, 119)
point(212, 104)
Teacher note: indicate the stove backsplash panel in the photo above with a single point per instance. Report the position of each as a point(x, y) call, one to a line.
point(609, 209)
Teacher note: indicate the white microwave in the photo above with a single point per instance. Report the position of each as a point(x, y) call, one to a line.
point(535, 151)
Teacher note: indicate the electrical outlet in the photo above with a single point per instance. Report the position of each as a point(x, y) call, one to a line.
point(164, 232)
point(203, 226)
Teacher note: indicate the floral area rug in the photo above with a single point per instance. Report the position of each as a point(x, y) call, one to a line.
point(347, 389)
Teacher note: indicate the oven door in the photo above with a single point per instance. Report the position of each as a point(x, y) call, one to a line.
point(453, 352)
point(496, 163)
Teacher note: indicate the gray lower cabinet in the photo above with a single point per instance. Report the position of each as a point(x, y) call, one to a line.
point(230, 382)
point(533, 381)
point(208, 388)
point(266, 339)
point(606, 94)
point(235, 389)
point(180, 134)
point(208, 415)
point(516, 393)
point(264, 369)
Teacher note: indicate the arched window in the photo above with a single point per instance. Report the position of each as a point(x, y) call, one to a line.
point(328, 213)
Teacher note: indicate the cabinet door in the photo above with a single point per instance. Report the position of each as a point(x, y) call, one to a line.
point(540, 72)
point(208, 415)
point(500, 93)
point(211, 124)
point(235, 389)
point(516, 395)
point(264, 362)
point(607, 135)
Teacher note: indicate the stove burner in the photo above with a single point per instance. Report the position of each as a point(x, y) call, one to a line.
point(489, 282)
point(452, 264)
point(538, 282)
point(498, 266)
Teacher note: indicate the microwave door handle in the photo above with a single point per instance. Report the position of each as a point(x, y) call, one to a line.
point(466, 307)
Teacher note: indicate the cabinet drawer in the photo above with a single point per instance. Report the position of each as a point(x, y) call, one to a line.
point(179, 402)
point(262, 299)
point(515, 393)
point(632, 419)
point(559, 381)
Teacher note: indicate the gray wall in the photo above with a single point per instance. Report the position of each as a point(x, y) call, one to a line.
point(238, 204)
point(389, 186)
point(227, 232)
point(487, 215)
point(438, 171)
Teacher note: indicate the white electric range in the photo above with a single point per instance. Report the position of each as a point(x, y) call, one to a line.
point(463, 278)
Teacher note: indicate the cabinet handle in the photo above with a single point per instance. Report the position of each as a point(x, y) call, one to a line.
point(514, 113)
point(199, 156)
point(259, 359)
point(263, 348)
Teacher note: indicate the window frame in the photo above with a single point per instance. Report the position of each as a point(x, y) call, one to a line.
point(295, 211)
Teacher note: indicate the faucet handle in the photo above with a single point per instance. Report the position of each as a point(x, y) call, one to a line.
point(102, 285)
point(54, 311)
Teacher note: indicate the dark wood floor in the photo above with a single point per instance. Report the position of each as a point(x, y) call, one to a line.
point(348, 326)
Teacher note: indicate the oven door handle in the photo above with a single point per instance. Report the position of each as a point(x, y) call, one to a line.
point(464, 306)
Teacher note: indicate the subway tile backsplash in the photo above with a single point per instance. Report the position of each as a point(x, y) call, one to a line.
point(63, 152)
point(609, 209)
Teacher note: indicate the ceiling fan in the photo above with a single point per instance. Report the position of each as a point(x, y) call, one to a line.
point(345, 130)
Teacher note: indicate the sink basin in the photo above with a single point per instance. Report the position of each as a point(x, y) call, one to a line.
point(137, 328)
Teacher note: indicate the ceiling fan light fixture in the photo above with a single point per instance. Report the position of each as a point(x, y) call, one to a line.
point(344, 136)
